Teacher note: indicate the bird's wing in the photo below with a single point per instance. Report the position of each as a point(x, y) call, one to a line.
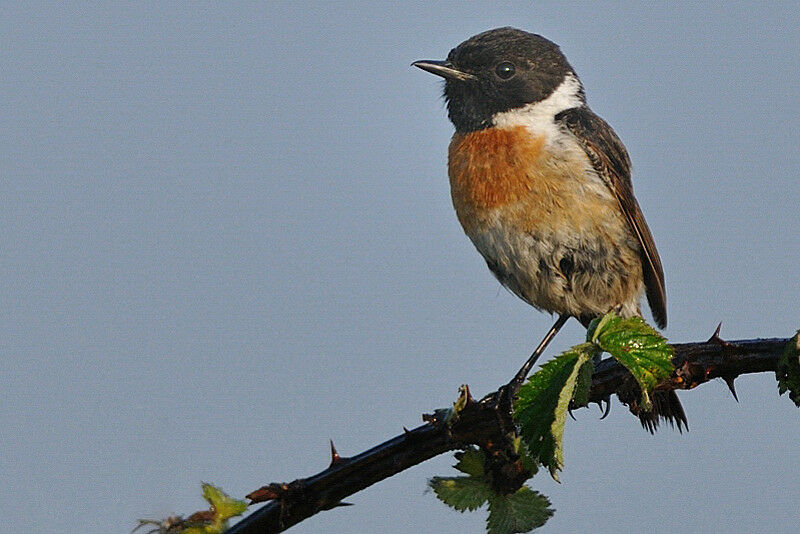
point(610, 159)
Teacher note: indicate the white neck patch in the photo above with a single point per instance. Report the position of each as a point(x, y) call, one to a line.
point(538, 117)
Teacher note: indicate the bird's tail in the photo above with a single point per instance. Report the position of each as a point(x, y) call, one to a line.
point(666, 407)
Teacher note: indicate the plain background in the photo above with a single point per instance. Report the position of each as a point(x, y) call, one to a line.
point(227, 236)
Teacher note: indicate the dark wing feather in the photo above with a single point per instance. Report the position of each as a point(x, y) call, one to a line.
point(610, 160)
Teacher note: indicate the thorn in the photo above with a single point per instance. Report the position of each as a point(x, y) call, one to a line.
point(608, 408)
point(731, 386)
point(569, 411)
point(716, 339)
point(406, 431)
point(335, 458)
point(336, 505)
point(715, 335)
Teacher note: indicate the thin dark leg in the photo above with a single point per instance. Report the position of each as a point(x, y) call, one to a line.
point(517, 381)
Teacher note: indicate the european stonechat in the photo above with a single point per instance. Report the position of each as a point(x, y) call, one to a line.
point(542, 187)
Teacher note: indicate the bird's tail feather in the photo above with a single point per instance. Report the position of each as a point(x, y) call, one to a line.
point(666, 407)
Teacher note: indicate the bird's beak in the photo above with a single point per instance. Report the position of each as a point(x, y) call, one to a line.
point(444, 69)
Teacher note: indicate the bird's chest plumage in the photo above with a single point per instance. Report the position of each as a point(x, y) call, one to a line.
point(523, 179)
point(542, 218)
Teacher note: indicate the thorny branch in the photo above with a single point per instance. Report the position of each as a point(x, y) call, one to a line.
point(486, 423)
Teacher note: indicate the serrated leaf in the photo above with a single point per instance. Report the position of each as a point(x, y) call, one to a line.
point(788, 373)
point(470, 461)
point(596, 324)
point(461, 493)
point(584, 383)
point(637, 346)
point(542, 403)
point(521, 511)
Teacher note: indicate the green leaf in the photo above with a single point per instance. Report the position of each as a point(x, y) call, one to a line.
point(225, 506)
point(204, 529)
point(521, 511)
point(583, 385)
point(598, 323)
point(470, 461)
point(788, 373)
point(211, 521)
point(637, 346)
point(542, 403)
point(525, 458)
point(461, 493)
point(463, 399)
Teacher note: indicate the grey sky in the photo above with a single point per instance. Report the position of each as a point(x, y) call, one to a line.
point(227, 237)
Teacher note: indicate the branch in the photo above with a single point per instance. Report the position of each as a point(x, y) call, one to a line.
point(485, 423)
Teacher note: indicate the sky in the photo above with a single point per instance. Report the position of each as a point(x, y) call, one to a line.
point(227, 238)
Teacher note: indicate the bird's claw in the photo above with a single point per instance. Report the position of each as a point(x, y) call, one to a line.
point(608, 406)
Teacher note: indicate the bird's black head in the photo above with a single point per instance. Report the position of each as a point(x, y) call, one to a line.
point(496, 71)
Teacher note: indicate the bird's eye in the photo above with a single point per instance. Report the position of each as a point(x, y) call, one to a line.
point(505, 70)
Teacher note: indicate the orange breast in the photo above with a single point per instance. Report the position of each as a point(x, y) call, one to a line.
point(510, 173)
point(488, 167)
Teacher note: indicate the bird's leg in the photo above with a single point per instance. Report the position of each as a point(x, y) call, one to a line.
point(516, 382)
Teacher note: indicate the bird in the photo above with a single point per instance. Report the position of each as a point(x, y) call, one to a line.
point(542, 187)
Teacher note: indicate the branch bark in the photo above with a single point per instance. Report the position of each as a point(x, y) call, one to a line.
point(485, 423)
